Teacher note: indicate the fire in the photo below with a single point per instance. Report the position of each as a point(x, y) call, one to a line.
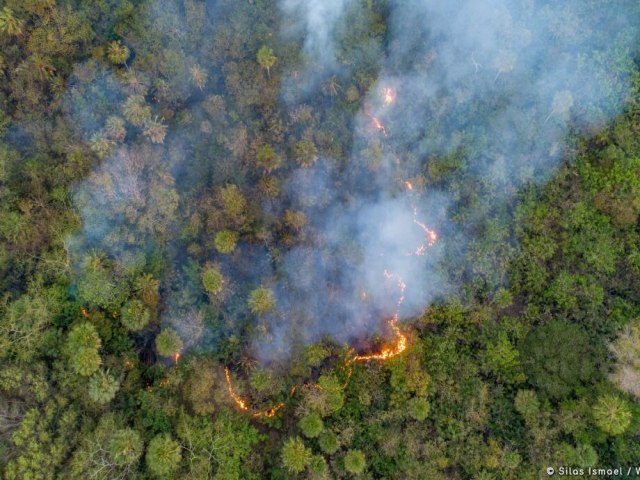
point(388, 96)
point(377, 124)
point(242, 404)
point(84, 312)
point(176, 357)
point(408, 184)
point(431, 237)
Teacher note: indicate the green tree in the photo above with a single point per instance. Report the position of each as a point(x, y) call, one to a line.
point(261, 301)
point(225, 241)
point(9, 24)
point(612, 414)
point(168, 343)
point(136, 111)
point(267, 158)
point(135, 315)
point(552, 366)
point(117, 53)
point(329, 442)
point(103, 387)
point(419, 408)
point(266, 58)
point(125, 446)
point(354, 462)
point(295, 455)
point(311, 425)
point(305, 152)
point(163, 456)
point(212, 279)
point(82, 348)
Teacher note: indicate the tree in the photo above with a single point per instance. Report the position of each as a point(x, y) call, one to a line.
point(552, 366)
point(311, 425)
point(9, 24)
point(168, 343)
point(329, 442)
point(135, 315)
point(117, 53)
point(163, 456)
point(198, 76)
point(295, 455)
point(612, 414)
point(354, 462)
point(82, 348)
point(261, 301)
point(212, 279)
point(305, 152)
point(419, 408)
point(225, 241)
point(267, 158)
point(233, 201)
point(266, 58)
point(125, 447)
point(136, 111)
point(626, 349)
point(155, 130)
point(103, 387)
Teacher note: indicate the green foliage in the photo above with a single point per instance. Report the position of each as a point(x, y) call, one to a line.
point(311, 425)
point(261, 301)
point(329, 442)
point(225, 241)
point(419, 408)
point(266, 58)
point(212, 279)
point(125, 446)
point(305, 153)
point(135, 315)
point(354, 462)
point(163, 456)
point(103, 387)
point(267, 158)
point(9, 24)
point(168, 343)
point(612, 414)
point(82, 348)
point(558, 358)
point(117, 53)
point(295, 455)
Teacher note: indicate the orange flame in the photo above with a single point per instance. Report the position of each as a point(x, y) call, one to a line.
point(385, 353)
point(377, 124)
point(388, 95)
point(242, 404)
point(176, 357)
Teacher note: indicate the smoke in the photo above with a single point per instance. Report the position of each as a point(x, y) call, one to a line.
point(451, 93)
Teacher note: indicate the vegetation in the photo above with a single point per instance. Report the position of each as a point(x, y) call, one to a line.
point(160, 158)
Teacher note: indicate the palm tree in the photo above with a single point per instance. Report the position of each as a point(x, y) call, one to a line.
point(117, 53)
point(9, 24)
point(266, 58)
point(155, 130)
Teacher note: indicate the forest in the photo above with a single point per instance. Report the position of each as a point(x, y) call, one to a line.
point(282, 239)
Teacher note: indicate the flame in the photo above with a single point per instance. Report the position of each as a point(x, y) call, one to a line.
point(176, 357)
point(386, 353)
point(431, 237)
point(377, 124)
point(388, 96)
point(84, 312)
point(401, 342)
point(242, 404)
